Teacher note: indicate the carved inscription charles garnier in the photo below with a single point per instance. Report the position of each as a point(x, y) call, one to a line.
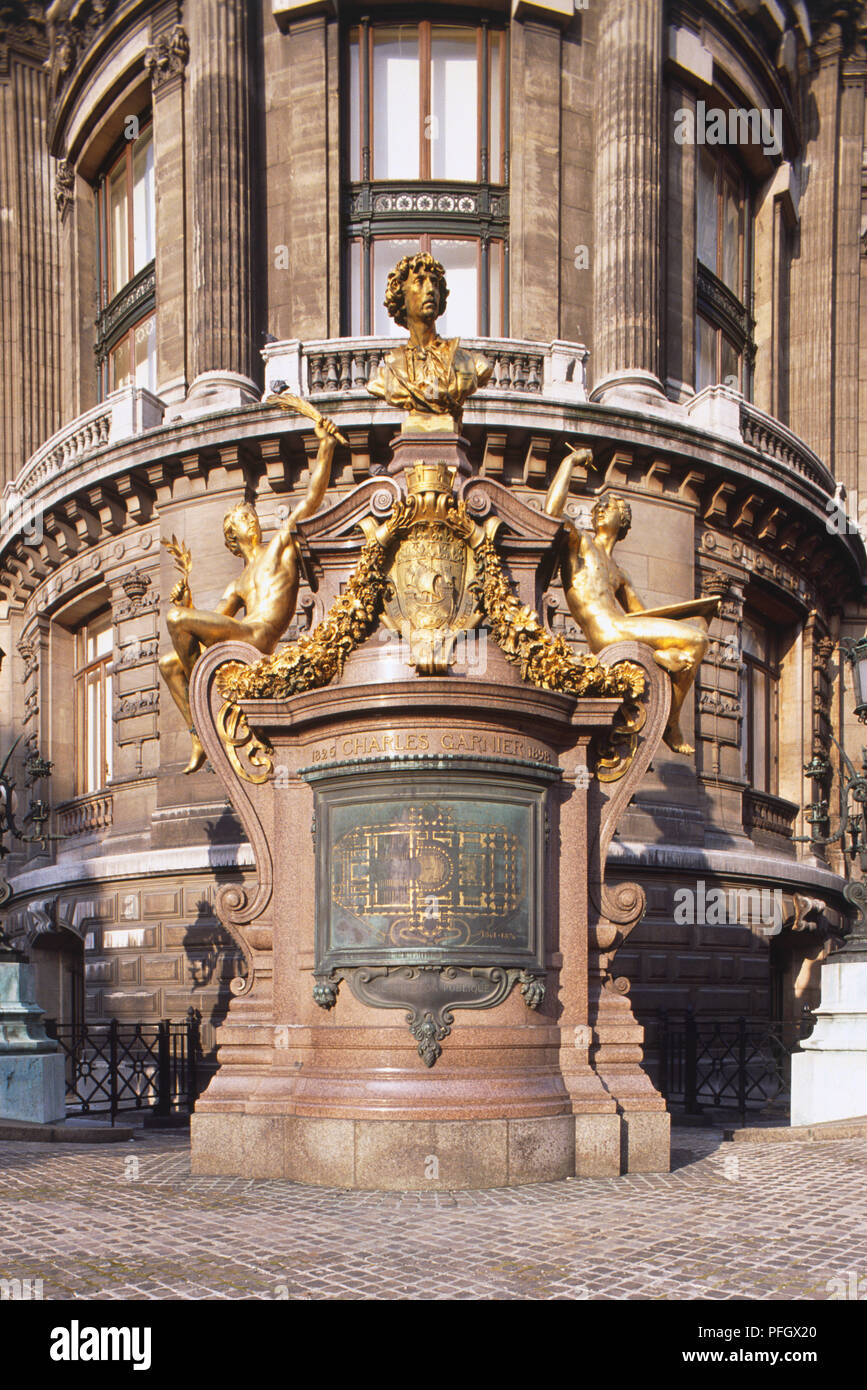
point(415, 741)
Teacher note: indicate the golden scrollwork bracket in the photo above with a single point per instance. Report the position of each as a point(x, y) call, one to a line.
point(614, 749)
point(242, 742)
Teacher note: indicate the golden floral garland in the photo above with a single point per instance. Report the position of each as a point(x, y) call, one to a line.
point(318, 657)
point(545, 661)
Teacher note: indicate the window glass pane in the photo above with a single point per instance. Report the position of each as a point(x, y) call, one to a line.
point(121, 369)
point(144, 343)
point(759, 740)
point(93, 712)
point(356, 328)
point(453, 129)
point(754, 640)
point(354, 107)
point(144, 244)
point(387, 251)
point(706, 205)
point(91, 724)
point(118, 218)
point(495, 276)
point(730, 364)
point(396, 103)
point(731, 240)
point(705, 354)
point(495, 136)
point(107, 742)
point(461, 262)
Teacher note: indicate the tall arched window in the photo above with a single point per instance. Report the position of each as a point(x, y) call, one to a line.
point(427, 159)
point(724, 325)
point(126, 323)
point(93, 705)
point(761, 675)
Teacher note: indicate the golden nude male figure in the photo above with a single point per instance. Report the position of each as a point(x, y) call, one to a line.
point(605, 606)
point(267, 589)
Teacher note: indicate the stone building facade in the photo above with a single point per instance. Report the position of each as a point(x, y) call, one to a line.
point(651, 214)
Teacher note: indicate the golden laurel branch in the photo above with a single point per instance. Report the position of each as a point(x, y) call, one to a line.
point(180, 553)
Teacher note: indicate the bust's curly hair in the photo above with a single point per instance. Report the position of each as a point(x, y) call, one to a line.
point(622, 506)
point(394, 298)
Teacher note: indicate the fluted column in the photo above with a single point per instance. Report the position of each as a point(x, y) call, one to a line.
point(812, 333)
point(848, 272)
point(626, 348)
point(222, 356)
point(29, 318)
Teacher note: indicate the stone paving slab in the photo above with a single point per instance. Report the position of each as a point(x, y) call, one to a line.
point(130, 1222)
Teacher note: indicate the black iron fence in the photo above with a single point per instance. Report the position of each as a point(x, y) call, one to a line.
point(113, 1068)
point(702, 1063)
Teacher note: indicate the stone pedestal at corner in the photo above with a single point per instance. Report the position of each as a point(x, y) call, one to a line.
point(829, 1077)
point(32, 1070)
point(429, 1000)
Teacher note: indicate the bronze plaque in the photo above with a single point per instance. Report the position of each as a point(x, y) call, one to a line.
point(426, 868)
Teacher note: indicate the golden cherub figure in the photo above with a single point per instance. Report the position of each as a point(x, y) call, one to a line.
point(429, 376)
point(606, 607)
point(267, 588)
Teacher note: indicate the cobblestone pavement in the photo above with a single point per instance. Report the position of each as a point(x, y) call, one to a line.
point(127, 1221)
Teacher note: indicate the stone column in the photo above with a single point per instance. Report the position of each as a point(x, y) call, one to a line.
point(625, 358)
point(848, 272)
point(222, 350)
point(166, 61)
point(30, 361)
point(812, 319)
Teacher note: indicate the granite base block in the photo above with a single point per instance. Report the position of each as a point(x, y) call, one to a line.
point(33, 1087)
point(646, 1141)
point(405, 1156)
point(597, 1146)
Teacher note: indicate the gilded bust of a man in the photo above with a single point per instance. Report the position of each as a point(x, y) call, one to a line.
point(429, 376)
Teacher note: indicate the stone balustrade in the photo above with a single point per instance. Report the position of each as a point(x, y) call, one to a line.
point(85, 814)
point(775, 440)
point(124, 413)
point(553, 371)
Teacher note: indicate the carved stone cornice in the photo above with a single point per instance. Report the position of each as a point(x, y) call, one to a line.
point(839, 28)
point(166, 59)
point(759, 508)
point(73, 27)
